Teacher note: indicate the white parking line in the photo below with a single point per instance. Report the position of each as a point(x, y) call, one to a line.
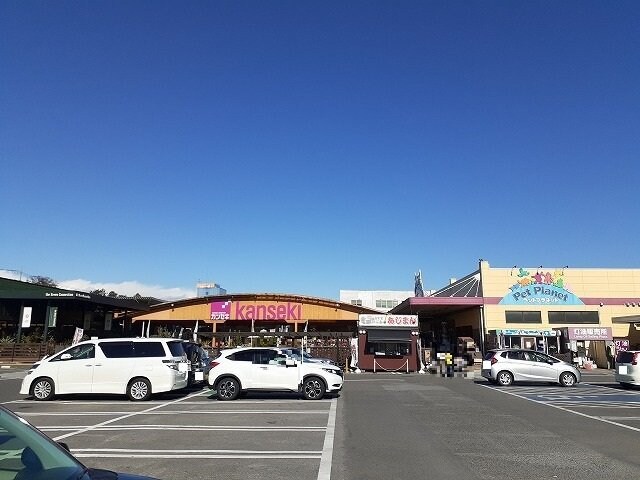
point(87, 429)
point(324, 472)
point(600, 419)
point(195, 454)
point(176, 412)
point(193, 428)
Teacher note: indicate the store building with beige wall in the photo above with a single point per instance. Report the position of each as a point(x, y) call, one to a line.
point(588, 311)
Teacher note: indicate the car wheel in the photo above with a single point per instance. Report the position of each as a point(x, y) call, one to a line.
point(567, 379)
point(313, 388)
point(504, 378)
point(43, 389)
point(228, 389)
point(139, 389)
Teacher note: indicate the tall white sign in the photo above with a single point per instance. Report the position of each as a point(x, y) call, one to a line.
point(26, 317)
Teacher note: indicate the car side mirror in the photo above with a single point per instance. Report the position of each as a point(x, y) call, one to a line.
point(65, 356)
point(290, 362)
point(65, 446)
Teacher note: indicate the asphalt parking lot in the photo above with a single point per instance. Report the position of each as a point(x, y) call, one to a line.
point(598, 397)
point(193, 435)
point(381, 426)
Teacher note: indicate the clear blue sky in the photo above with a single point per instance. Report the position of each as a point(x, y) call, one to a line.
point(308, 147)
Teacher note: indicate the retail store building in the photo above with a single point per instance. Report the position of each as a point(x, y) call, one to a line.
point(587, 311)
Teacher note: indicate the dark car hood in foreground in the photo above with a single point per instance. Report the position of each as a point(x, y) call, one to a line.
point(96, 474)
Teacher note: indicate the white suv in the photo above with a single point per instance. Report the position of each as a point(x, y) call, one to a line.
point(239, 370)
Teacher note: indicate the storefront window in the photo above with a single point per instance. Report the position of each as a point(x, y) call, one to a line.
point(388, 349)
point(574, 317)
point(514, 316)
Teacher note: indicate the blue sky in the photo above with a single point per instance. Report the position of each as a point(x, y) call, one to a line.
point(308, 147)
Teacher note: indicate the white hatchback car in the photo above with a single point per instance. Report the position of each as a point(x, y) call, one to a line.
point(269, 369)
point(136, 367)
point(512, 365)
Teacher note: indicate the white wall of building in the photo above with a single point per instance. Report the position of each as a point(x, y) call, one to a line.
point(383, 300)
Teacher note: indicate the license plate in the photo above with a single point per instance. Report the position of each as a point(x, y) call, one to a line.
point(199, 376)
point(622, 369)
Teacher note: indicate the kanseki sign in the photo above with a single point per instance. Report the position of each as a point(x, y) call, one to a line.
point(542, 288)
point(228, 310)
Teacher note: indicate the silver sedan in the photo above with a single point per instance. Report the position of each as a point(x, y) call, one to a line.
point(515, 365)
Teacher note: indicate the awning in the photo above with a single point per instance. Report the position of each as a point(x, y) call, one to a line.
point(388, 336)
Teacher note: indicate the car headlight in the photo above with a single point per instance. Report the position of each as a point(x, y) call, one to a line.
point(332, 370)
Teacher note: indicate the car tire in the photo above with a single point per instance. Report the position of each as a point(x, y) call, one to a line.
point(567, 379)
point(313, 388)
point(43, 389)
point(139, 389)
point(504, 378)
point(227, 388)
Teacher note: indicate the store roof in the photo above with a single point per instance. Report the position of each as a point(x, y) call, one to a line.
point(17, 290)
point(460, 295)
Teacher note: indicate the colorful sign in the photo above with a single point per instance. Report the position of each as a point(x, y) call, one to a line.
point(540, 289)
point(366, 320)
point(255, 311)
point(220, 310)
point(598, 333)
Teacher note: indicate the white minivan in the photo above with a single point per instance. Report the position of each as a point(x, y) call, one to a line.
point(136, 367)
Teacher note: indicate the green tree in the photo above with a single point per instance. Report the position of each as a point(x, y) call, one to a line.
point(46, 281)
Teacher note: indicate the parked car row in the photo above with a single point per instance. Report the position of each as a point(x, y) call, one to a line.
point(140, 367)
point(505, 366)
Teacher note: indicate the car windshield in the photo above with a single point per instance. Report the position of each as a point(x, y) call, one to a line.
point(26, 454)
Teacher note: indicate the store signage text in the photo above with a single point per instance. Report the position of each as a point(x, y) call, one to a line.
point(255, 311)
point(221, 310)
point(527, 332)
point(622, 344)
point(266, 311)
point(365, 320)
point(67, 294)
point(540, 289)
point(603, 333)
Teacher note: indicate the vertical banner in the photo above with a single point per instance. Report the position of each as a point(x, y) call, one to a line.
point(52, 316)
point(26, 316)
point(420, 359)
point(354, 352)
point(108, 321)
point(77, 336)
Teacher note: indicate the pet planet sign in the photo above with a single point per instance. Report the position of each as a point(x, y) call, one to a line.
point(543, 288)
